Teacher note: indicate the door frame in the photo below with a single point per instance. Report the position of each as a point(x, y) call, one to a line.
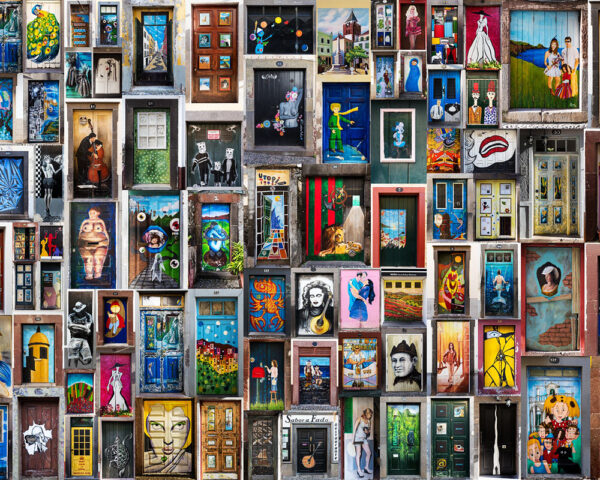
point(399, 191)
point(424, 427)
point(322, 348)
point(248, 418)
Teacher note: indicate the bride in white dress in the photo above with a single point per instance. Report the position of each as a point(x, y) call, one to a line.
point(117, 402)
point(482, 50)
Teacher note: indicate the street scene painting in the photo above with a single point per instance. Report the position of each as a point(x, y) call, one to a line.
point(156, 42)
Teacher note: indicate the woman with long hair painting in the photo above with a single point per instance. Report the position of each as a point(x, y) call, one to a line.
point(450, 360)
point(362, 432)
point(360, 290)
point(552, 61)
point(413, 29)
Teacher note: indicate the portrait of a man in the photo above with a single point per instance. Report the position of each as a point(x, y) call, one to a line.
point(315, 311)
point(404, 369)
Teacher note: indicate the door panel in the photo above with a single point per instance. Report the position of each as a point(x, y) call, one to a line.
point(262, 452)
point(449, 210)
point(311, 450)
point(39, 441)
point(117, 449)
point(497, 431)
point(398, 230)
point(450, 438)
point(81, 451)
point(10, 37)
point(220, 439)
point(404, 434)
point(495, 209)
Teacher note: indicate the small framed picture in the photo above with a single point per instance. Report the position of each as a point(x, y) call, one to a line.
point(28, 279)
point(485, 205)
point(27, 295)
point(505, 189)
point(204, 62)
point(485, 189)
point(224, 18)
point(204, 84)
point(204, 19)
point(204, 40)
point(224, 84)
point(225, 40)
point(505, 206)
point(224, 62)
point(486, 226)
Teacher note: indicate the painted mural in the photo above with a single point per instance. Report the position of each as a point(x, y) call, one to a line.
point(49, 164)
point(11, 29)
point(154, 249)
point(359, 298)
point(359, 438)
point(544, 61)
point(412, 26)
point(109, 25)
point(413, 73)
point(335, 230)
point(116, 320)
point(13, 189)
point(217, 357)
point(404, 363)
point(443, 150)
point(283, 30)
point(51, 285)
point(93, 262)
point(117, 449)
point(78, 79)
point(115, 385)
point(6, 109)
point(314, 374)
point(315, 304)
point(554, 419)
point(449, 210)
point(267, 304)
point(482, 101)
point(451, 282)
point(213, 154)
point(403, 438)
point(490, 151)
point(499, 283)
point(80, 330)
point(80, 393)
point(482, 37)
point(216, 226)
point(6, 347)
point(444, 96)
point(39, 346)
point(499, 356)
point(43, 112)
point(360, 363)
point(272, 238)
point(397, 135)
point(403, 298)
point(155, 28)
point(107, 75)
point(384, 25)
point(453, 362)
point(444, 35)
point(348, 31)
point(385, 76)
point(51, 242)
point(168, 447)
point(552, 298)
point(267, 376)
point(43, 34)
point(4, 442)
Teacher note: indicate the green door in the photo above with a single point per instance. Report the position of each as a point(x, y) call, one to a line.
point(398, 230)
point(450, 437)
point(403, 439)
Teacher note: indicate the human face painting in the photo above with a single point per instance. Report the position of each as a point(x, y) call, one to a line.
point(168, 431)
point(402, 364)
point(316, 297)
point(560, 411)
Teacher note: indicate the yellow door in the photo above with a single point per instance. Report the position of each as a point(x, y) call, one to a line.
point(81, 451)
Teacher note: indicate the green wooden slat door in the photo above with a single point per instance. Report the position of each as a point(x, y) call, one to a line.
point(450, 438)
point(398, 230)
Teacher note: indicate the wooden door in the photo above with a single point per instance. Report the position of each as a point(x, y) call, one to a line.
point(10, 37)
point(449, 210)
point(498, 432)
point(404, 439)
point(214, 54)
point(495, 209)
point(450, 438)
point(220, 437)
point(117, 449)
point(444, 97)
point(311, 450)
point(4, 442)
point(82, 438)
point(398, 230)
point(39, 437)
point(2, 251)
point(262, 447)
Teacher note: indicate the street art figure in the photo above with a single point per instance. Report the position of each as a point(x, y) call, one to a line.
point(117, 402)
point(119, 454)
point(335, 135)
point(202, 164)
point(362, 432)
point(404, 361)
point(315, 315)
point(360, 290)
point(482, 50)
point(80, 325)
point(412, 29)
point(289, 110)
point(93, 244)
point(36, 438)
point(360, 363)
point(49, 171)
point(43, 36)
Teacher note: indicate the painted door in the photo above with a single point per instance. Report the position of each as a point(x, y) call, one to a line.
point(2, 255)
point(117, 449)
point(398, 230)
point(4, 442)
point(154, 49)
point(39, 437)
point(220, 437)
point(10, 37)
point(343, 141)
point(311, 450)
point(495, 209)
point(162, 351)
point(450, 210)
point(82, 449)
point(404, 439)
point(498, 433)
point(444, 97)
point(450, 438)
point(262, 449)
point(555, 195)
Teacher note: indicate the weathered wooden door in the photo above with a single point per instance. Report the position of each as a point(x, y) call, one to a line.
point(39, 437)
point(498, 433)
point(220, 439)
point(404, 439)
point(495, 209)
point(262, 448)
point(450, 438)
point(449, 210)
point(117, 449)
point(398, 230)
point(311, 448)
point(82, 447)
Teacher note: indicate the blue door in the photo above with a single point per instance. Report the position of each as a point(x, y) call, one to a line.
point(4, 442)
point(444, 97)
point(346, 111)
point(450, 210)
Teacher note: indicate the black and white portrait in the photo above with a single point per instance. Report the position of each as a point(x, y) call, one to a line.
point(404, 363)
point(314, 304)
point(80, 330)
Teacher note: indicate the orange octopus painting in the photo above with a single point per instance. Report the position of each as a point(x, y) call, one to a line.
point(266, 304)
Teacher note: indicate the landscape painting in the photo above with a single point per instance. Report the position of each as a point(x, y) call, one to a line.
point(80, 393)
point(403, 298)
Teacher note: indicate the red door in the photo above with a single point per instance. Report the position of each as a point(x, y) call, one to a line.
point(39, 437)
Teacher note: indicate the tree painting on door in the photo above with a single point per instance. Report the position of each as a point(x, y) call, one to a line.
point(403, 439)
point(499, 349)
point(335, 218)
point(38, 353)
point(359, 438)
point(43, 112)
point(167, 439)
point(115, 321)
point(361, 364)
point(314, 377)
point(43, 34)
point(266, 376)
point(4, 442)
point(315, 304)
point(215, 236)
point(443, 150)
point(360, 298)
point(451, 282)
point(80, 393)
point(6, 347)
point(554, 421)
point(453, 361)
point(449, 210)
point(403, 299)
point(552, 298)
point(115, 385)
point(266, 304)
point(93, 262)
point(482, 32)
point(154, 250)
point(499, 283)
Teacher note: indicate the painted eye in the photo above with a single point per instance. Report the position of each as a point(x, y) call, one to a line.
point(156, 427)
point(141, 216)
point(174, 263)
